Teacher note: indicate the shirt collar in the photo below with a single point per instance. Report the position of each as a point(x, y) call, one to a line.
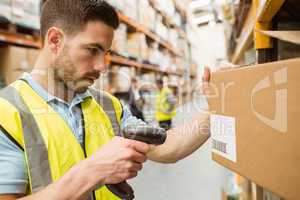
point(78, 98)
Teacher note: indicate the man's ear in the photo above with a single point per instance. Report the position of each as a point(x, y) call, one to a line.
point(55, 39)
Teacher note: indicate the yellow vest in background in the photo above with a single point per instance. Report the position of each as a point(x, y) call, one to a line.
point(164, 110)
point(54, 137)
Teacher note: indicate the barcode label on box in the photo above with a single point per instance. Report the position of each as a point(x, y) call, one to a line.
point(223, 136)
point(220, 146)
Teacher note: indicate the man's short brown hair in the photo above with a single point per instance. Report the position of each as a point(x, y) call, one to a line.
point(73, 15)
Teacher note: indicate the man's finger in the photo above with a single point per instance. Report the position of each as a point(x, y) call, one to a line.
point(139, 157)
point(139, 146)
point(206, 77)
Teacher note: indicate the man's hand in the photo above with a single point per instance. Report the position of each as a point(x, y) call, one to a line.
point(119, 160)
point(205, 80)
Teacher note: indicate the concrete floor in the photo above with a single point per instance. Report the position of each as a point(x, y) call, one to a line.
point(196, 177)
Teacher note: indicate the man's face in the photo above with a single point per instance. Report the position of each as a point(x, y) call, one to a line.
point(82, 58)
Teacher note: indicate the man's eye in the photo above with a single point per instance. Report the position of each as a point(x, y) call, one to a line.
point(93, 51)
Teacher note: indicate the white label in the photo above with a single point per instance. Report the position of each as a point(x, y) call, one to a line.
point(223, 136)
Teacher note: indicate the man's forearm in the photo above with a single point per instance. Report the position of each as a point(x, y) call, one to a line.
point(182, 140)
point(76, 184)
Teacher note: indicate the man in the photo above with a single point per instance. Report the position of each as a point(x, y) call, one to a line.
point(165, 108)
point(136, 101)
point(57, 141)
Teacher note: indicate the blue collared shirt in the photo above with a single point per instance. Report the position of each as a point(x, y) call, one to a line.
point(13, 173)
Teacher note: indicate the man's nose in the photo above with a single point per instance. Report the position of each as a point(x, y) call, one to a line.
point(101, 65)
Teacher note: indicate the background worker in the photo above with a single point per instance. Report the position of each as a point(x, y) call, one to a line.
point(59, 144)
point(165, 108)
point(136, 100)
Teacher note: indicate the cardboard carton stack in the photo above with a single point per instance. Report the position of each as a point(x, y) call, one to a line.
point(160, 28)
point(121, 78)
point(26, 13)
point(15, 61)
point(134, 44)
point(120, 40)
point(20, 12)
point(147, 14)
point(131, 9)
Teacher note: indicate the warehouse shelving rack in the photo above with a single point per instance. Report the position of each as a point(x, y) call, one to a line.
point(19, 39)
point(139, 27)
point(127, 62)
point(259, 16)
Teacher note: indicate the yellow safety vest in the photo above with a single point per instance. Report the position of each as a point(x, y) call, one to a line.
point(50, 147)
point(164, 110)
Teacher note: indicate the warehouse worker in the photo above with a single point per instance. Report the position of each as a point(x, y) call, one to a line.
point(57, 137)
point(165, 108)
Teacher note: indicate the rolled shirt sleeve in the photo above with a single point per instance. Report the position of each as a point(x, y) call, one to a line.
point(128, 119)
point(13, 173)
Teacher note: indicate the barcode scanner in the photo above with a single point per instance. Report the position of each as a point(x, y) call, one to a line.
point(146, 134)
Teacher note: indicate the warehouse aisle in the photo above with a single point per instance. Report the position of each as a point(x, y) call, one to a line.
point(197, 177)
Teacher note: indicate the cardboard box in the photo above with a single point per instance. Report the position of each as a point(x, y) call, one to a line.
point(121, 78)
point(32, 55)
point(26, 13)
point(120, 40)
point(14, 61)
point(134, 45)
point(255, 124)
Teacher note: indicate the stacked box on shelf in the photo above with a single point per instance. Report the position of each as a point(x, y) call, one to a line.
point(173, 38)
point(165, 61)
point(131, 9)
point(183, 47)
point(155, 56)
point(120, 40)
point(147, 80)
point(167, 6)
point(147, 14)
point(174, 80)
point(177, 19)
point(121, 78)
point(133, 45)
point(179, 64)
point(245, 187)
point(173, 66)
point(137, 46)
point(5, 9)
point(160, 28)
point(15, 61)
point(144, 48)
point(26, 13)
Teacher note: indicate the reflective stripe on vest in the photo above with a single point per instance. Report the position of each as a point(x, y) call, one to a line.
point(36, 152)
point(38, 165)
point(107, 104)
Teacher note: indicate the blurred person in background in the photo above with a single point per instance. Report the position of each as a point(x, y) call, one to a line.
point(165, 108)
point(136, 100)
